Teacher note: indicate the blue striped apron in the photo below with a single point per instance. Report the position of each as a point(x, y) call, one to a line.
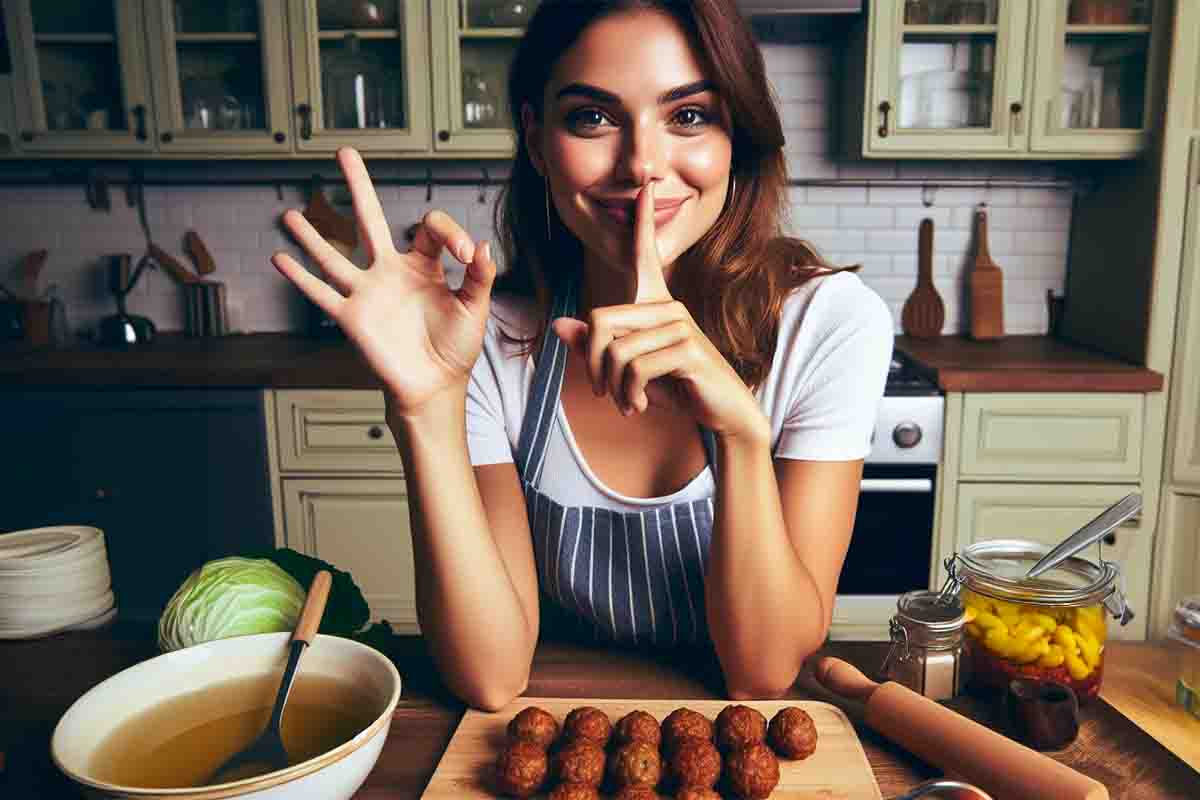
point(630, 577)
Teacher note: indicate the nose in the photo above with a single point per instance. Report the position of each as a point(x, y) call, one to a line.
point(646, 152)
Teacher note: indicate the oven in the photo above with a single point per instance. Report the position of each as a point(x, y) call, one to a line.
point(892, 548)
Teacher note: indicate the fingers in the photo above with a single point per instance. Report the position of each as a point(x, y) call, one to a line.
point(625, 355)
point(366, 203)
point(437, 230)
point(670, 360)
point(612, 322)
point(651, 285)
point(315, 289)
point(341, 272)
point(476, 289)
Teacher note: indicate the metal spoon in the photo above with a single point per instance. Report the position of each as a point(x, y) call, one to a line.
point(945, 790)
point(1110, 518)
point(267, 753)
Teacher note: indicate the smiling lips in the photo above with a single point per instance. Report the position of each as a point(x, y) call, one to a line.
point(622, 210)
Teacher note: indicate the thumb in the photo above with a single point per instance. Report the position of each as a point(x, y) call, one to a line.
point(574, 334)
point(476, 289)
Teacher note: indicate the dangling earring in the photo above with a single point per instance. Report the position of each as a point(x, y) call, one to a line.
point(547, 180)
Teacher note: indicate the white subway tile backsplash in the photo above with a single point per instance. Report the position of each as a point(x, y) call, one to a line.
point(837, 195)
point(869, 217)
point(805, 217)
point(911, 216)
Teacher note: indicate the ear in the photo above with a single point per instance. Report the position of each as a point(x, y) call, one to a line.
point(573, 332)
point(533, 134)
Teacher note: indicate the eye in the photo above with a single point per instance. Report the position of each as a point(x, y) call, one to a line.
point(698, 116)
point(586, 118)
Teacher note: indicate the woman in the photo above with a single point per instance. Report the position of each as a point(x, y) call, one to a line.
point(660, 418)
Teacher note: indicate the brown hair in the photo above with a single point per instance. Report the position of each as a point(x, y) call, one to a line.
point(735, 278)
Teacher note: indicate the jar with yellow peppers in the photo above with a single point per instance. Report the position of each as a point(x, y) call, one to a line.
point(1050, 628)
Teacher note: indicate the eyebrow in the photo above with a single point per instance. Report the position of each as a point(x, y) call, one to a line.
point(598, 94)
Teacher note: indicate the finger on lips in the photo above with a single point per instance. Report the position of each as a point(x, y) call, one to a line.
point(651, 285)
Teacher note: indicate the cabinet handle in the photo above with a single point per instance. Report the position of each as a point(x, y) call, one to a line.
point(375, 432)
point(1018, 121)
point(168, 136)
point(305, 112)
point(26, 136)
point(139, 115)
point(884, 108)
point(443, 136)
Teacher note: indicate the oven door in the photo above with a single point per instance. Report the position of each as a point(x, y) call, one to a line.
point(893, 531)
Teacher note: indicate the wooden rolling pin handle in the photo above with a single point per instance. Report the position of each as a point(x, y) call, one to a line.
point(1005, 769)
point(314, 607)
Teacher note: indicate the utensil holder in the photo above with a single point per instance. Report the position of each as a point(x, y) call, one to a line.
point(206, 313)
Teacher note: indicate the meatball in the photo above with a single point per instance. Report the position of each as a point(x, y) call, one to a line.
point(695, 763)
point(575, 791)
point(682, 723)
point(587, 722)
point(521, 769)
point(635, 763)
point(579, 761)
point(697, 793)
point(792, 733)
point(740, 726)
point(637, 791)
point(752, 772)
point(535, 725)
point(638, 726)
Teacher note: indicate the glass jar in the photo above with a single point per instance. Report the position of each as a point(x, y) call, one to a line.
point(1050, 628)
point(1184, 640)
point(926, 651)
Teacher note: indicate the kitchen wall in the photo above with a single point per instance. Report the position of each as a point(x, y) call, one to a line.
point(875, 226)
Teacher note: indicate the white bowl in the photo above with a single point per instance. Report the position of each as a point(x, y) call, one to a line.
point(334, 775)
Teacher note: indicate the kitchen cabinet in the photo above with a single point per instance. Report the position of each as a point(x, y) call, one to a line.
point(174, 478)
point(218, 73)
point(79, 76)
point(1004, 78)
point(340, 494)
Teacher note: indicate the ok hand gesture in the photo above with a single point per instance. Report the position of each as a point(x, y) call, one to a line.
point(416, 334)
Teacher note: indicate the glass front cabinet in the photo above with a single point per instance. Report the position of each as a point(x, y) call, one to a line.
point(1006, 78)
point(79, 77)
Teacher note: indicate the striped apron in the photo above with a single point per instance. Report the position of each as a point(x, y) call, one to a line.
point(630, 577)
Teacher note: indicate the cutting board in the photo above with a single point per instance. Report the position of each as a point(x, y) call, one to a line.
point(838, 770)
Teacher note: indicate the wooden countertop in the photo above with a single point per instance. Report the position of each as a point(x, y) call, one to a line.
point(40, 679)
point(1024, 364)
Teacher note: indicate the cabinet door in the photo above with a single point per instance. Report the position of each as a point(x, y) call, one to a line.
point(1184, 424)
point(1092, 75)
point(359, 525)
point(360, 75)
point(220, 75)
point(79, 76)
point(474, 42)
point(1048, 514)
point(946, 78)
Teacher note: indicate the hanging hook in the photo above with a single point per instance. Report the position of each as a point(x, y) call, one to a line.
point(429, 184)
point(483, 186)
point(928, 194)
point(987, 192)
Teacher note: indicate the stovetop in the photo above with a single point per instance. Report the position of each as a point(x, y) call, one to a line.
point(905, 379)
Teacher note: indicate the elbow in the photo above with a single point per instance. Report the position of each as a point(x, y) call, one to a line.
point(768, 690)
point(492, 695)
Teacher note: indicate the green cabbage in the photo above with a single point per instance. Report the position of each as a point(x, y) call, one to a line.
point(230, 597)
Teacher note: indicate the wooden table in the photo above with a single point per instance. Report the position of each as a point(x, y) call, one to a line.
point(40, 679)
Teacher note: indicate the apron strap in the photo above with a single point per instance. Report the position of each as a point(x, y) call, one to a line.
point(543, 396)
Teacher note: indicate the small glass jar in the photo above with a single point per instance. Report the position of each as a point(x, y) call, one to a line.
point(1051, 628)
point(926, 653)
point(1184, 640)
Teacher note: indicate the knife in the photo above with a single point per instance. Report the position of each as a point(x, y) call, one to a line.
point(199, 253)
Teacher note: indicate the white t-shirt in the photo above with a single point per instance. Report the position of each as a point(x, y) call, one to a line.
point(821, 393)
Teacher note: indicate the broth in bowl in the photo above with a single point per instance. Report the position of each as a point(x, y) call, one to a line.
point(181, 741)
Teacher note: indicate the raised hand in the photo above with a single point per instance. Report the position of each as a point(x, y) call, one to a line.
point(416, 334)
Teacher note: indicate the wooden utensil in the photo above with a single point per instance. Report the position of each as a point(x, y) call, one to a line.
point(924, 312)
point(168, 262)
point(339, 231)
point(267, 753)
point(199, 253)
point(837, 769)
point(31, 268)
point(987, 287)
point(958, 745)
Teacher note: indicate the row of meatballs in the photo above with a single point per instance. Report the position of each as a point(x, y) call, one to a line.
point(687, 754)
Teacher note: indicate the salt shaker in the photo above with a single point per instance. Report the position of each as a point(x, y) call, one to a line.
point(927, 646)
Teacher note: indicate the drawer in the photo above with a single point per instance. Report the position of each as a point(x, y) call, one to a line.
point(1055, 437)
point(1050, 513)
point(334, 431)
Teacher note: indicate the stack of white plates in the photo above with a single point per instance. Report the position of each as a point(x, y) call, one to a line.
point(54, 579)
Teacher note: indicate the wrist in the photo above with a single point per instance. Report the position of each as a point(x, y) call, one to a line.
point(442, 412)
point(752, 432)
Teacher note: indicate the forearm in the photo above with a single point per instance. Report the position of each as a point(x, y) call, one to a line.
point(764, 608)
point(479, 632)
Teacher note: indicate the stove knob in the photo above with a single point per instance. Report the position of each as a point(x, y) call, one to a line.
point(907, 435)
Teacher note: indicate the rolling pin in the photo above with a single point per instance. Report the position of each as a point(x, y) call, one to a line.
point(1005, 769)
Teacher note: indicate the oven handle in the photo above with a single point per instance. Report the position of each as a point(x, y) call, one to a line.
point(915, 485)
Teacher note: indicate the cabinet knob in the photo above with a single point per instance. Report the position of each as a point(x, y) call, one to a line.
point(305, 112)
point(1110, 539)
point(26, 136)
point(443, 136)
point(884, 109)
point(167, 136)
point(375, 432)
point(279, 137)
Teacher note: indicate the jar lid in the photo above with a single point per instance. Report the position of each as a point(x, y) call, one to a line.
point(926, 608)
point(1185, 621)
point(997, 568)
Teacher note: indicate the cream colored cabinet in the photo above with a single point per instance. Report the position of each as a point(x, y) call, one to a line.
point(361, 79)
point(1183, 433)
point(219, 74)
point(339, 493)
point(79, 77)
point(1004, 78)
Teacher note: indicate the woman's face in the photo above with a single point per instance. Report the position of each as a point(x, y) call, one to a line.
point(627, 104)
